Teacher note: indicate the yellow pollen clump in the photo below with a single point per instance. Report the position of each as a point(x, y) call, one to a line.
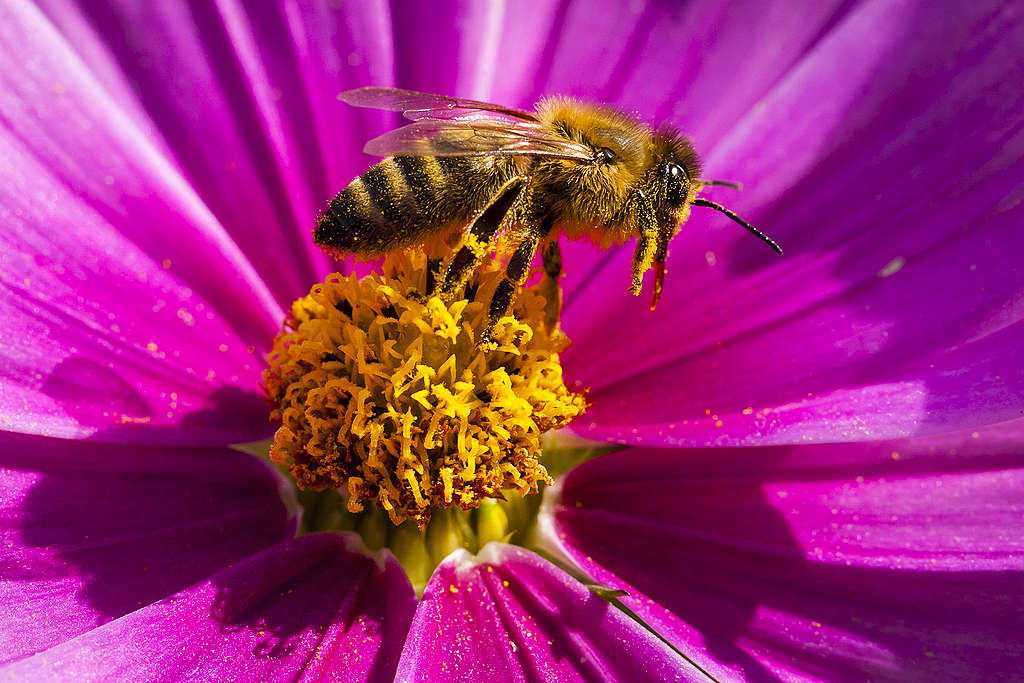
point(383, 393)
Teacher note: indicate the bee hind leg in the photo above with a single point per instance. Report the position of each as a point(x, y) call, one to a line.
point(549, 288)
point(478, 237)
point(430, 284)
point(515, 275)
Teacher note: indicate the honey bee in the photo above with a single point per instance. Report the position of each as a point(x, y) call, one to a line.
point(571, 169)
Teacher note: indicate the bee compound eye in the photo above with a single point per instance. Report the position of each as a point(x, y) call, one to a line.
point(677, 181)
point(605, 156)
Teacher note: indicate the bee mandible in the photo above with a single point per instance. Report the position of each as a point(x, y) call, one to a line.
point(570, 169)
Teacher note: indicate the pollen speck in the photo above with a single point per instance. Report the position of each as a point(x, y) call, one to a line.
point(383, 393)
point(892, 267)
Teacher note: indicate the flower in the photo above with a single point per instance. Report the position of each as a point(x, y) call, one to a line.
point(825, 448)
point(383, 392)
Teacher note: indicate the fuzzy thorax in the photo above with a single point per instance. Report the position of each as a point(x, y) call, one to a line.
point(383, 394)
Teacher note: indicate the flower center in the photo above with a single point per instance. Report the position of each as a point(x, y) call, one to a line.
point(383, 394)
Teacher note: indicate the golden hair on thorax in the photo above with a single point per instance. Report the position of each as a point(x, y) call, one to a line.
point(572, 169)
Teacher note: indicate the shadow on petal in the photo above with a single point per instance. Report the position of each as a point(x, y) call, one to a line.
point(97, 396)
point(830, 561)
point(96, 530)
point(323, 586)
point(76, 378)
point(314, 608)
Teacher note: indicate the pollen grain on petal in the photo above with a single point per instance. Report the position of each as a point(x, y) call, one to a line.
point(383, 393)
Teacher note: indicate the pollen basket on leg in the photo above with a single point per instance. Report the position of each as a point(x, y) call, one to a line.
point(383, 393)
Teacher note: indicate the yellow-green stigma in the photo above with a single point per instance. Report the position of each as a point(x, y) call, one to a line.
point(384, 395)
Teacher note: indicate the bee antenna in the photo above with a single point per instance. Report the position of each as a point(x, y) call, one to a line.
point(722, 183)
point(718, 207)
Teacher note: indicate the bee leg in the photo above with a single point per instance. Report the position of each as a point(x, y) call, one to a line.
point(659, 265)
point(515, 275)
point(478, 237)
point(433, 269)
point(549, 288)
point(643, 257)
point(646, 242)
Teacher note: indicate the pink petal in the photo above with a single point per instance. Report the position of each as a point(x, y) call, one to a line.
point(127, 309)
point(316, 608)
point(887, 163)
point(91, 531)
point(244, 98)
point(702, 65)
point(510, 615)
point(452, 47)
point(899, 560)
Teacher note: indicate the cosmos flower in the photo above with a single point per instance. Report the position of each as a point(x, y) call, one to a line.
point(824, 457)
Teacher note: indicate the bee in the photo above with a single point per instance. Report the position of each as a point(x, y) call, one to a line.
point(569, 169)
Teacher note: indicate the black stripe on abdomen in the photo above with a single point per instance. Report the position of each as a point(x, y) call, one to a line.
point(423, 178)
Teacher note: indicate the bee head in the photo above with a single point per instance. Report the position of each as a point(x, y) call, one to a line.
point(676, 170)
point(671, 184)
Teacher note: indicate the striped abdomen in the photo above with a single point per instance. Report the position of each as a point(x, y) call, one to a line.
point(404, 200)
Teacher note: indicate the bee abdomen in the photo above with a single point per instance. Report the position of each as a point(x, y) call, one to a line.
point(424, 178)
point(391, 205)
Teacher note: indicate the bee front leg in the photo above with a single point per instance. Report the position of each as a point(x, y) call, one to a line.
point(664, 236)
point(479, 237)
point(646, 242)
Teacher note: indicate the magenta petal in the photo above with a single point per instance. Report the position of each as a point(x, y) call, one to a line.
point(128, 313)
point(91, 531)
point(243, 97)
point(510, 615)
point(897, 307)
point(841, 562)
point(316, 608)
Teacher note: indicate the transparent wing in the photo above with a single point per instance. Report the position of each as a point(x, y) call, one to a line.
point(416, 106)
point(472, 138)
point(451, 126)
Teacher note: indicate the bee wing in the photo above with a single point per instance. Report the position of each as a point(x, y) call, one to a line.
point(416, 106)
point(483, 136)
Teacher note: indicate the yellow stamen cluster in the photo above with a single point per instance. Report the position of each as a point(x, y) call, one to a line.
point(383, 393)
